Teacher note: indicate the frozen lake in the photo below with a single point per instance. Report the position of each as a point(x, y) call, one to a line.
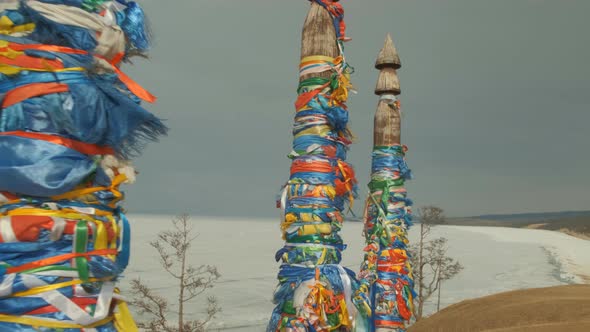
point(495, 259)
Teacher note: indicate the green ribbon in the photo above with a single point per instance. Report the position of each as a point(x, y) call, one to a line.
point(315, 81)
point(81, 243)
point(50, 268)
point(396, 149)
point(92, 5)
point(333, 319)
point(385, 186)
point(314, 238)
point(288, 308)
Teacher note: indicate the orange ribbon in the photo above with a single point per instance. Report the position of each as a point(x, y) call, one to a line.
point(137, 89)
point(311, 166)
point(306, 97)
point(386, 323)
point(31, 62)
point(25, 92)
point(42, 47)
point(345, 186)
point(85, 148)
point(58, 259)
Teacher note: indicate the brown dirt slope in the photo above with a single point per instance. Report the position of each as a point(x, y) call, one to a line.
point(562, 308)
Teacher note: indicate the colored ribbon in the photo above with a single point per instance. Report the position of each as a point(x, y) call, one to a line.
point(69, 120)
point(314, 291)
point(386, 275)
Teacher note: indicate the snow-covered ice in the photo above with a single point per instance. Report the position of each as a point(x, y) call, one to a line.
point(496, 259)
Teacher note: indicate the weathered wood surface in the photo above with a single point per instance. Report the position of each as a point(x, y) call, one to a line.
point(387, 126)
point(388, 82)
point(318, 37)
point(388, 56)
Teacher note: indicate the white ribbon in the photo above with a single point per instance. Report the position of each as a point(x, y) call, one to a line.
point(59, 224)
point(6, 285)
point(6, 230)
point(347, 292)
point(3, 199)
point(71, 309)
point(8, 5)
point(110, 37)
point(388, 97)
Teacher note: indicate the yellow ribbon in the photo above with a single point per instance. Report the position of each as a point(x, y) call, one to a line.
point(40, 322)
point(47, 288)
point(115, 183)
point(315, 229)
point(347, 181)
point(319, 294)
point(322, 258)
point(65, 213)
point(123, 319)
point(318, 59)
point(113, 244)
point(11, 70)
point(7, 27)
point(321, 130)
point(101, 236)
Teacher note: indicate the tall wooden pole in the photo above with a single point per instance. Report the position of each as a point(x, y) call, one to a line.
point(385, 277)
point(314, 291)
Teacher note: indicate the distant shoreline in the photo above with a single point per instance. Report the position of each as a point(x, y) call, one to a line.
point(578, 227)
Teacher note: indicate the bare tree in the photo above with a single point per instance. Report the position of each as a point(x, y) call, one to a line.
point(428, 216)
point(428, 257)
point(431, 215)
point(173, 249)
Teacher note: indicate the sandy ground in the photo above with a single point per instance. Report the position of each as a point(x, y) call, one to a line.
point(563, 308)
point(495, 259)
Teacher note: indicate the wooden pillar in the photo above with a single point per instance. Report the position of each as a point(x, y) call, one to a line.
point(385, 274)
point(387, 126)
point(320, 185)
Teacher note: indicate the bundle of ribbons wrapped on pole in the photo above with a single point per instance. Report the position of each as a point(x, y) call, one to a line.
point(70, 122)
point(315, 291)
point(385, 295)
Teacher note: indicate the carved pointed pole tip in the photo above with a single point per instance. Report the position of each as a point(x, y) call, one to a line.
point(388, 56)
point(318, 37)
point(387, 63)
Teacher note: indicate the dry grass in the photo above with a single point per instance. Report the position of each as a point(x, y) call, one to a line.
point(563, 308)
point(583, 236)
point(536, 226)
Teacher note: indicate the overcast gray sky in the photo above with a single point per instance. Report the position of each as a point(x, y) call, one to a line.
point(495, 96)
